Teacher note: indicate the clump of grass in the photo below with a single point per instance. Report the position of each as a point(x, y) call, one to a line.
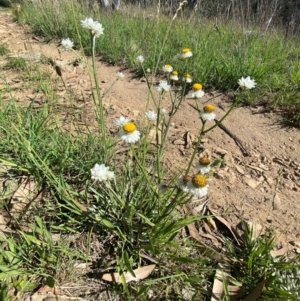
point(15, 63)
point(4, 50)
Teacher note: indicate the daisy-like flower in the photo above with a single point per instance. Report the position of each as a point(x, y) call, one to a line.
point(247, 83)
point(182, 183)
point(167, 68)
point(188, 78)
point(67, 44)
point(208, 113)
point(197, 91)
point(174, 76)
point(203, 165)
point(163, 86)
point(151, 115)
point(93, 26)
point(101, 173)
point(129, 133)
point(121, 121)
point(186, 53)
point(140, 59)
point(120, 75)
point(197, 186)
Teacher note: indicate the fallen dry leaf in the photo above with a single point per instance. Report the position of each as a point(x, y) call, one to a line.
point(252, 228)
point(140, 273)
point(222, 220)
point(209, 252)
point(221, 279)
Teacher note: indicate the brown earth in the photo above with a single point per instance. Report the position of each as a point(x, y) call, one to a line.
point(259, 179)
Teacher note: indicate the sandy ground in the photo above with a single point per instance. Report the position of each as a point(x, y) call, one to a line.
point(259, 179)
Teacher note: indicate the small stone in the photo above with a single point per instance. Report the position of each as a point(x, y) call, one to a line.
point(179, 142)
point(262, 166)
point(220, 151)
point(270, 181)
point(276, 202)
point(252, 183)
point(240, 169)
point(135, 112)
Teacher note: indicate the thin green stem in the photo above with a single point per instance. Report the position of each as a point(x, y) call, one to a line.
point(99, 97)
point(196, 148)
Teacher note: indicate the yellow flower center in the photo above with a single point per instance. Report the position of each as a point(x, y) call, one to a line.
point(204, 161)
point(186, 178)
point(188, 76)
point(168, 66)
point(185, 50)
point(209, 108)
point(199, 181)
point(129, 127)
point(197, 87)
point(175, 73)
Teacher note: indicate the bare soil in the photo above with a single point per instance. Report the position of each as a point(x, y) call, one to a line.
point(259, 179)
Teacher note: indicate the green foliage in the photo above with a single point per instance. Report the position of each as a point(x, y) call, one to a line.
point(30, 255)
point(15, 63)
point(254, 262)
point(222, 52)
point(3, 49)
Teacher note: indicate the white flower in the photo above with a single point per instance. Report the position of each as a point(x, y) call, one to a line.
point(247, 83)
point(167, 68)
point(67, 44)
point(148, 70)
point(188, 79)
point(196, 94)
point(93, 26)
point(197, 91)
point(120, 75)
point(129, 133)
point(197, 186)
point(101, 173)
point(208, 113)
point(151, 115)
point(186, 53)
point(203, 165)
point(163, 111)
point(163, 86)
point(140, 59)
point(207, 116)
point(174, 76)
point(87, 23)
point(121, 121)
point(182, 183)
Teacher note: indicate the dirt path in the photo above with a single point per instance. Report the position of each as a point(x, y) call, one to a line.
point(259, 179)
